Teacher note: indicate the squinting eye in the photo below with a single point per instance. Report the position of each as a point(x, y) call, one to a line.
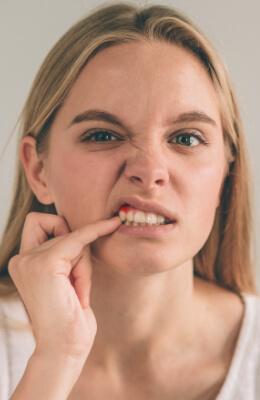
point(101, 136)
point(186, 140)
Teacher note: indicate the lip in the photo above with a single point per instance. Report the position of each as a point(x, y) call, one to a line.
point(145, 206)
point(153, 231)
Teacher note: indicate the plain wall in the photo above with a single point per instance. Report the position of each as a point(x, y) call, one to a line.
point(29, 28)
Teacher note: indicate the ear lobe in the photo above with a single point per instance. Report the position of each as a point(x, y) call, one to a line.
point(35, 170)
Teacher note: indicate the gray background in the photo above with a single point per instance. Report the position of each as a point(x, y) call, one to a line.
point(29, 28)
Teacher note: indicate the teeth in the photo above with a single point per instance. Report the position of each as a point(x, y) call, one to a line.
point(130, 216)
point(122, 216)
point(160, 219)
point(139, 218)
point(151, 219)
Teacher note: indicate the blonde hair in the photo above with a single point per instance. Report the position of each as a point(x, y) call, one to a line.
point(226, 256)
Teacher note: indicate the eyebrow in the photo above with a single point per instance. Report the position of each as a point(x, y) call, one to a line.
point(99, 115)
point(194, 116)
point(96, 115)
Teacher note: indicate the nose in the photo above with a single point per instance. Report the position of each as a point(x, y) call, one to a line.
point(147, 168)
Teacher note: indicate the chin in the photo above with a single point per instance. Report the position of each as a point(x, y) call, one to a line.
point(138, 261)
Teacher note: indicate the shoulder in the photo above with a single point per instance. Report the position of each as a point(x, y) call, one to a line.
point(224, 312)
point(4, 365)
point(249, 339)
point(250, 330)
point(235, 319)
point(242, 381)
point(13, 315)
point(16, 343)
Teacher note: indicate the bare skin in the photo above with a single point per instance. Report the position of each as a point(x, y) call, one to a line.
point(144, 373)
point(53, 279)
point(185, 373)
point(161, 333)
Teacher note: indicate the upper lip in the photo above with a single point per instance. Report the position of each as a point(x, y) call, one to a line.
point(145, 206)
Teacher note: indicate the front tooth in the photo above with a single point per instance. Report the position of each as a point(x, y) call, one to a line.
point(130, 216)
point(122, 216)
point(151, 219)
point(139, 217)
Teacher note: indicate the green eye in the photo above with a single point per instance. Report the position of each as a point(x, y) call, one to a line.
point(186, 140)
point(102, 136)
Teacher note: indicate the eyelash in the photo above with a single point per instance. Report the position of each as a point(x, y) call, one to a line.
point(89, 136)
point(86, 137)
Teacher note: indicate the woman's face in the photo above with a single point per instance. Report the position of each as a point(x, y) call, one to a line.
point(160, 144)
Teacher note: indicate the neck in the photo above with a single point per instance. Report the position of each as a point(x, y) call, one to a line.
point(139, 316)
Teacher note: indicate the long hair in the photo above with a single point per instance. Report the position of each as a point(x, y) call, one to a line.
point(226, 256)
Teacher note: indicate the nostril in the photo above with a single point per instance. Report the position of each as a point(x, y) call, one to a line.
point(137, 178)
point(159, 182)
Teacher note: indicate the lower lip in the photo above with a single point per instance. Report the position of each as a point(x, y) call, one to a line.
point(147, 231)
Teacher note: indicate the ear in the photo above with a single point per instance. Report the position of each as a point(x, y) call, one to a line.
point(35, 170)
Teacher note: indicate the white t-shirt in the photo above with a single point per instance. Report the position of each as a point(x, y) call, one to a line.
point(242, 381)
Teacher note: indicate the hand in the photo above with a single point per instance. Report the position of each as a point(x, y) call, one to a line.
point(53, 278)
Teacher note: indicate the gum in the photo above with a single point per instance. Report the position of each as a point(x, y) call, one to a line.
point(127, 208)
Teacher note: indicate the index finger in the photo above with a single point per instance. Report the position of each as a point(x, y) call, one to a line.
point(37, 228)
point(73, 243)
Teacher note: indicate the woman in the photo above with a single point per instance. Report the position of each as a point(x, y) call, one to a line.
point(128, 239)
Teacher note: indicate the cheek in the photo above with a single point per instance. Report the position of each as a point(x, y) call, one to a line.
point(80, 184)
point(204, 185)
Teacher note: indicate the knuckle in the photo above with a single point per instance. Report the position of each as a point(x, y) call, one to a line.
point(12, 265)
point(31, 217)
point(18, 263)
point(59, 218)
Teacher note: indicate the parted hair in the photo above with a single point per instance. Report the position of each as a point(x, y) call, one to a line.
point(226, 257)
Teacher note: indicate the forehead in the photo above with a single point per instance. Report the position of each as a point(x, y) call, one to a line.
point(143, 80)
